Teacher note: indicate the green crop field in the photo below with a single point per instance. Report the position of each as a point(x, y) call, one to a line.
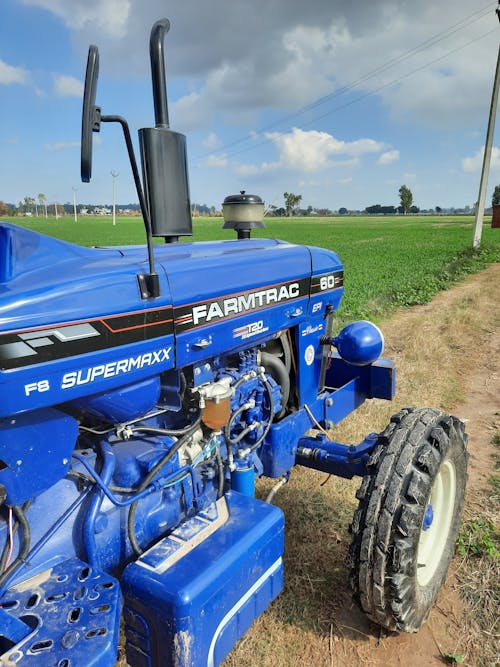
point(389, 262)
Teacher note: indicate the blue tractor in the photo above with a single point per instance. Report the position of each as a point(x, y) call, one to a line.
point(142, 392)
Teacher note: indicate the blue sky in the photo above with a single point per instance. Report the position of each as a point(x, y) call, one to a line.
point(341, 102)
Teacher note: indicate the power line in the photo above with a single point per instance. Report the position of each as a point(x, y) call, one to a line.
point(368, 94)
point(428, 43)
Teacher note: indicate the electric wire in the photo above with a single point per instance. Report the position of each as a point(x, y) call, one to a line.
point(10, 542)
point(25, 541)
point(369, 93)
point(5, 552)
point(432, 41)
point(48, 535)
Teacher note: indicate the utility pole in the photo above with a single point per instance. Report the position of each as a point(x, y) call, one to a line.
point(74, 202)
point(55, 208)
point(114, 174)
point(483, 184)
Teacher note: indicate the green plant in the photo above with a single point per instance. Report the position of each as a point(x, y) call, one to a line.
point(478, 538)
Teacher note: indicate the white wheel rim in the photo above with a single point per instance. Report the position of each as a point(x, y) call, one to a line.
point(433, 537)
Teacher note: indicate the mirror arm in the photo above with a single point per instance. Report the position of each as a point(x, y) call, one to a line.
point(148, 283)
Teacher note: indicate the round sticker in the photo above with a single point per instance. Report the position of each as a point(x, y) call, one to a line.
point(309, 354)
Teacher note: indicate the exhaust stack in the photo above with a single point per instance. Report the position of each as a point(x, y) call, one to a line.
point(163, 155)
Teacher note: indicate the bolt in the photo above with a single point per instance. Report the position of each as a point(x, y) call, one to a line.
point(206, 367)
point(65, 461)
point(329, 402)
point(19, 462)
point(197, 371)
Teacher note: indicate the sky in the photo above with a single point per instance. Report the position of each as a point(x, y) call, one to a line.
point(339, 101)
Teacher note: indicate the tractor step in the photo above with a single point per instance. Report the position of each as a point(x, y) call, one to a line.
point(189, 599)
point(67, 616)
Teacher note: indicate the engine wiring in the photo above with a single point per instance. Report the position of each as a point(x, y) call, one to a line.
point(25, 541)
point(11, 540)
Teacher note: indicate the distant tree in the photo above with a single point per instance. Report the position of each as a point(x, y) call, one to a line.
point(342, 210)
point(406, 196)
point(495, 200)
point(280, 212)
point(414, 209)
point(42, 200)
point(291, 202)
point(4, 209)
point(438, 209)
point(29, 204)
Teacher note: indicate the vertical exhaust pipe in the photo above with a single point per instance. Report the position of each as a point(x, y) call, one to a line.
point(157, 57)
point(163, 155)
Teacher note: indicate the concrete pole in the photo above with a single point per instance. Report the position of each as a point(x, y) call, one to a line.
point(483, 184)
point(114, 174)
point(74, 203)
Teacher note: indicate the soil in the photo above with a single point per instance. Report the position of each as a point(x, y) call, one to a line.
point(459, 345)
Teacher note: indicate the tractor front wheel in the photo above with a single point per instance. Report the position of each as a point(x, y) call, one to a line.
point(406, 524)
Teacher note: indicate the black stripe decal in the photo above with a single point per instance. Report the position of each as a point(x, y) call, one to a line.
point(36, 346)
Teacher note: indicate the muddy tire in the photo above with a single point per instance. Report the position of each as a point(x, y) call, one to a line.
point(406, 524)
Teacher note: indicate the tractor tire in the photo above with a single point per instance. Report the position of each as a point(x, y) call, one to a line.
point(407, 521)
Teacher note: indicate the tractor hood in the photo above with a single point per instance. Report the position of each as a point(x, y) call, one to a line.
point(64, 307)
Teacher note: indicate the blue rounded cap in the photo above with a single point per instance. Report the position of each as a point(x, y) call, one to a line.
point(360, 343)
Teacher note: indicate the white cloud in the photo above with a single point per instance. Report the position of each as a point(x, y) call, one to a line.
point(313, 151)
point(108, 16)
point(346, 181)
point(474, 163)
point(216, 161)
point(212, 141)
point(68, 86)
point(61, 146)
point(10, 74)
point(388, 158)
point(247, 169)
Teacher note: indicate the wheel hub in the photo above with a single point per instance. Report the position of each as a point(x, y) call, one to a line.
point(436, 523)
point(428, 518)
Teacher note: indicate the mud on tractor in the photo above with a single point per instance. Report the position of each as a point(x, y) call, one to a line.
point(142, 392)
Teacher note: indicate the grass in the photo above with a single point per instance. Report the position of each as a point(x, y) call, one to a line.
point(390, 262)
point(479, 575)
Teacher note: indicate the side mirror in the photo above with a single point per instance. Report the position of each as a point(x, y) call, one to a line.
point(91, 116)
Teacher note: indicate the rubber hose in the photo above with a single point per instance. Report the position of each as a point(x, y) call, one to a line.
point(277, 370)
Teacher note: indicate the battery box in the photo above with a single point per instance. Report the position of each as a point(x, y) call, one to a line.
point(192, 595)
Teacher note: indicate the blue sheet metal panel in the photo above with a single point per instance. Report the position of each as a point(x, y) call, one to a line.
point(58, 282)
point(377, 380)
point(228, 296)
point(72, 616)
point(309, 356)
point(35, 452)
point(191, 614)
point(239, 333)
point(64, 380)
point(327, 280)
